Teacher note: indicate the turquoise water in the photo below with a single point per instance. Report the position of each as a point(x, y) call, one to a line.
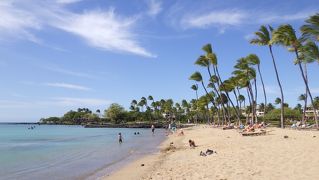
point(69, 152)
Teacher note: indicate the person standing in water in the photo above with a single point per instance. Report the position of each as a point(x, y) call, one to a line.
point(120, 138)
point(153, 128)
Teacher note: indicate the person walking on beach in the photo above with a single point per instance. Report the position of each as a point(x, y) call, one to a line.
point(153, 128)
point(120, 138)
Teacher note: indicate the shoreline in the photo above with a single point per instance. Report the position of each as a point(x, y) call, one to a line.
point(261, 157)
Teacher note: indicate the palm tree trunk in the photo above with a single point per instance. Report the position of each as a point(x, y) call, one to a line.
point(196, 106)
point(307, 87)
point(214, 87)
point(208, 118)
point(210, 97)
point(237, 104)
point(262, 82)
point(281, 92)
point(231, 102)
point(252, 102)
point(306, 97)
point(248, 114)
point(255, 103)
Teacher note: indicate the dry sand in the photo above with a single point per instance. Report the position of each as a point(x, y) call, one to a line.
point(260, 157)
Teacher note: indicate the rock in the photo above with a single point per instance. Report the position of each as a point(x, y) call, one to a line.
point(314, 136)
point(142, 164)
point(285, 136)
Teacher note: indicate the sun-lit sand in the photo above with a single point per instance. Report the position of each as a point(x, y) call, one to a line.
point(260, 157)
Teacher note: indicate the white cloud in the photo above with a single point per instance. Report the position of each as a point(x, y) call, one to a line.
point(266, 18)
point(237, 17)
point(68, 86)
point(17, 23)
point(104, 30)
point(155, 7)
point(219, 18)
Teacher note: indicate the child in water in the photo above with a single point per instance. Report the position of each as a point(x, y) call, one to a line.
point(120, 138)
point(153, 128)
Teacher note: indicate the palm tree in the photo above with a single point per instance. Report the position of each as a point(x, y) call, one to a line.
point(244, 73)
point(254, 59)
point(285, 35)
point(241, 100)
point(298, 108)
point(311, 29)
point(303, 97)
point(142, 103)
point(212, 58)
point(308, 54)
point(278, 100)
point(263, 37)
point(197, 76)
point(134, 105)
point(195, 88)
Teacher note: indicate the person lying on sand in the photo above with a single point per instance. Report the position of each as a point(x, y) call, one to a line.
point(249, 128)
point(191, 143)
point(181, 133)
point(229, 126)
point(262, 125)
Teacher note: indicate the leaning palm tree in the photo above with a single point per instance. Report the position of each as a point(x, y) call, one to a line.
point(263, 37)
point(197, 76)
point(254, 59)
point(285, 35)
point(212, 59)
point(311, 29)
point(195, 88)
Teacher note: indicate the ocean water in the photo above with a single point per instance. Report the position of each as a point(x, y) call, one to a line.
point(70, 152)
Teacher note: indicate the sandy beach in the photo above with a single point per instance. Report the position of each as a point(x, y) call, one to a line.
point(260, 157)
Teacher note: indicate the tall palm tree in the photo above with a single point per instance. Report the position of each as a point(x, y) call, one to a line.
point(311, 29)
point(303, 97)
point(197, 76)
point(285, 35)
point(308, 53)
point(241, 100)
point(263, 38)
point(195, 88)
point(254, 59)
point(211, 56)
point(245, 74)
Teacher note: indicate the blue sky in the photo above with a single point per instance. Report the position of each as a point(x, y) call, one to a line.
point(58, 55)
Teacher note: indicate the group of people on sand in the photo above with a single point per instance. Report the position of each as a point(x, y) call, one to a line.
point(250, 127)
point(299, 125)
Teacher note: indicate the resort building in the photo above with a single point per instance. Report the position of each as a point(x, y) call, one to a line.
point(309, 113)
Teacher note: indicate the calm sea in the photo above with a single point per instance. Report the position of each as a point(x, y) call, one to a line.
point(70, 152)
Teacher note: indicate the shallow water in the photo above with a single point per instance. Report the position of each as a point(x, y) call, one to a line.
point(69, 152)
